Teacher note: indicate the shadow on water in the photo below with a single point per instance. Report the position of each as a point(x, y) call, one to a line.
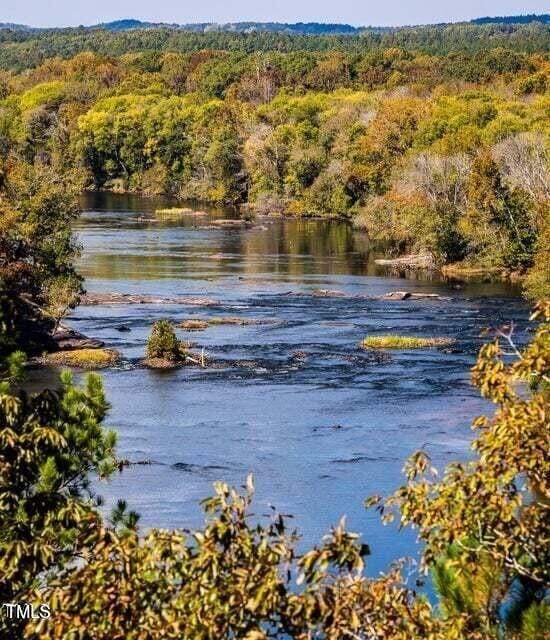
point(319, 422)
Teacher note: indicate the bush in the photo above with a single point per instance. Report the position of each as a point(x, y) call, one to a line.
point(163, 342)
point(537, 283)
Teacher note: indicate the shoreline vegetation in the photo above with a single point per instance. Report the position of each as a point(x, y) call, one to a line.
point(423, 261)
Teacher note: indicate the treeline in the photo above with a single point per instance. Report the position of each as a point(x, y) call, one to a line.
point(26, 49)
point(441, 153)
point(309, 28)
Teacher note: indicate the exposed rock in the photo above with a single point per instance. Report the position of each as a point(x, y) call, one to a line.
point(67, 339)
point(188, 359)
point(199, 324)
point(124, 462)
point(328, 293)
point(413, 261)
point(396, 295)
point(391, 295)
point(162, 363)
point(194, 325)
point(130, 298)
point(233, 320)
point(411, 295)
point(236, 222)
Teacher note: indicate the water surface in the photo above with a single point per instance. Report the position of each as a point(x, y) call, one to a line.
point(320, 423)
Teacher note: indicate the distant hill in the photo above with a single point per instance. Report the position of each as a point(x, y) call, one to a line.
point(295, 28)
point(544, 18)
point(301, 28)
point(129, 24)
point(15, 27)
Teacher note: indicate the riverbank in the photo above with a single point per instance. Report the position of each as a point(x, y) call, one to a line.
point(208, 215)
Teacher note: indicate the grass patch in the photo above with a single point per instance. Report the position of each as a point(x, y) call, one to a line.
point(194, 325)
point(199, 324)
point(236, 321)
point(173, 211)
point(83, 358)
point(403, 342)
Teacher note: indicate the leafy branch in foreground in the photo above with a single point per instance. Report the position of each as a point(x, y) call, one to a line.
point(50, 444)
point(233, 579)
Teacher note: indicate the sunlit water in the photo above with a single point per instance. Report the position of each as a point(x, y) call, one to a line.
point(320, 430)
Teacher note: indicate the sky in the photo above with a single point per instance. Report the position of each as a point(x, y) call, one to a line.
point(50, 13)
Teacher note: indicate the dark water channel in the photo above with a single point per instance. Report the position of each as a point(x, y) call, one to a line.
point(320, 423)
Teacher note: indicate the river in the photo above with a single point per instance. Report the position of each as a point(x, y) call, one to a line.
point(321, 424)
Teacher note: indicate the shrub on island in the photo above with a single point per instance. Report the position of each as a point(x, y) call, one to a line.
point(164, 349)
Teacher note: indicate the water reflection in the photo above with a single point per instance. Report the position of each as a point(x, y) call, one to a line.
point(124, 239)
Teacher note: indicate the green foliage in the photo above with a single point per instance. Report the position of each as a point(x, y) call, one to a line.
point(536, 622)
point(466, 44)
point(403, 342)
point(37, 250)
point(394, 133)
point(537, 284)
point(50, 444)
point(234, 578)
point(163, 342)
point(82, 358)
point(464, 591)
point(498, 221)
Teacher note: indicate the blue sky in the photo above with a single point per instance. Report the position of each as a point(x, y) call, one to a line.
point(358, 12)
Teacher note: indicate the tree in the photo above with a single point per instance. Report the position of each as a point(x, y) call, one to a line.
point(37, 247)
point(537, 283)
point(232, 579)
point(163, 343)
point(50, 444)
point(498, 222)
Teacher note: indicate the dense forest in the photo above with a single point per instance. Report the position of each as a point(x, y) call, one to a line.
point(426, 150)
point(22, 49)
point(445, 154)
